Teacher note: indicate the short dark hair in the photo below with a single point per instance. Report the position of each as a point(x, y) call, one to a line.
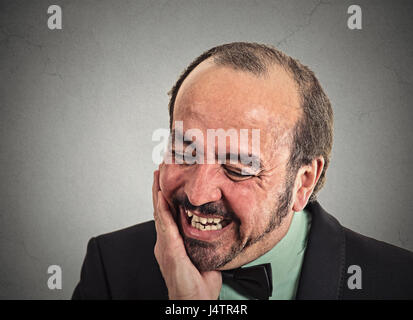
point(313, 132)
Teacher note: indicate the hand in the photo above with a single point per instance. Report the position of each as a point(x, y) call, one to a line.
point(182, 278)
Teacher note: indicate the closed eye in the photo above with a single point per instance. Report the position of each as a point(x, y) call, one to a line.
point(237, 175)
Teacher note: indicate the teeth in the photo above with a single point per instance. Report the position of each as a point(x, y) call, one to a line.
point(200, 222)
point(201, 227)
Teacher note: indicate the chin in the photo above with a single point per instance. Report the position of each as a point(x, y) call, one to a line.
point(207, 257)
point(202, 254)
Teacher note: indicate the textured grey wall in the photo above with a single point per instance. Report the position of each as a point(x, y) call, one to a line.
point(78, 107)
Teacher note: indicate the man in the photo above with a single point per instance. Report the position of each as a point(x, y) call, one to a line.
point(213, 218)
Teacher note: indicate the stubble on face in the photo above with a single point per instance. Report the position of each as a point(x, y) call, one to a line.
point(208, 101)
point(205, 255)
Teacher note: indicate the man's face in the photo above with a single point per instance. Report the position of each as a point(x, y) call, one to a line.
point(249, 207)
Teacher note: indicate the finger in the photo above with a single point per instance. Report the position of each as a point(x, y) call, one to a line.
point(166, 221)
point(168, 234)
point(155, 189)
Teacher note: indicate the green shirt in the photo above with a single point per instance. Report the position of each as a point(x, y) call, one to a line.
point(286, 259)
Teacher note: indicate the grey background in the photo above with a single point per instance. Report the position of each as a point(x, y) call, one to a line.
point(78, 107)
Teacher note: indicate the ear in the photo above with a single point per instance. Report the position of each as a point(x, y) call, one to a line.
point(306, 180)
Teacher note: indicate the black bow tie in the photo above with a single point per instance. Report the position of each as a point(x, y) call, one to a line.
point(255, 281)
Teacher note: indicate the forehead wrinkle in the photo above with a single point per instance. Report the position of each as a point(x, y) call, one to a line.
point(205, 95)
point(249, 119)
point(275, 134)
point(210, 91)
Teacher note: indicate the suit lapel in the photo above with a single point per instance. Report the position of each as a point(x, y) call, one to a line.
point(323, 267)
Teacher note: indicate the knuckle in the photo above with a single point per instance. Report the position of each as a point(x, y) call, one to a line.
point(156, 251)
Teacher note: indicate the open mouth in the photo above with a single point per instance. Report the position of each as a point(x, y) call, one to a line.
point(197, 221)
point(203, 223)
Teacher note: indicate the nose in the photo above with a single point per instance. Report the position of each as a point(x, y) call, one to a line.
point(202, 186)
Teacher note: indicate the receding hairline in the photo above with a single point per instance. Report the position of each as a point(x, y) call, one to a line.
point(284, 129)
point(313, 134)
point(260, 61)
point(272, 69)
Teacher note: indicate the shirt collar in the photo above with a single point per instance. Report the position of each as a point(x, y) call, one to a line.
point(286, 258)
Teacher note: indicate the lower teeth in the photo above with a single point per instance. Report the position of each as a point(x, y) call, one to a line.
point(202, 227)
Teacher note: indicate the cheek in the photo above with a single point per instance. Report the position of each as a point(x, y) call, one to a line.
point(241, 197)
point(244, 200)
point(170, 179)
point(252, 204)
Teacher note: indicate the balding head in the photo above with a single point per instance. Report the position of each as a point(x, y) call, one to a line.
point(240, 87)
point(313, 132)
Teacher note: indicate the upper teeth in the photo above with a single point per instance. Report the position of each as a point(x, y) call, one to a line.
point(200, 222)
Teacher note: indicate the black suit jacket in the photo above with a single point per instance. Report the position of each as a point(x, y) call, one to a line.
point(122, 265)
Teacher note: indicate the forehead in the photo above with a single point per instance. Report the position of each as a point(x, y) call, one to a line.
point(220, 97)
point(213, 97)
